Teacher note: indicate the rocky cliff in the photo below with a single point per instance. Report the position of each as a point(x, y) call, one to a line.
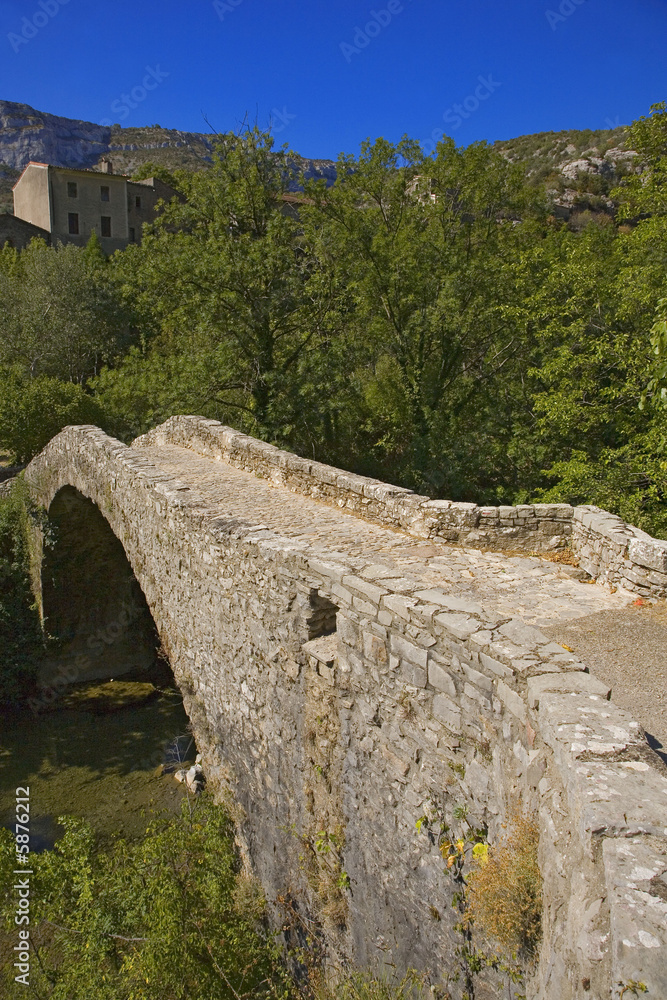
point(27, 134)
point(578, 169)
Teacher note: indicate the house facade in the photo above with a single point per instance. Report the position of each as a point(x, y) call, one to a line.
point(73, 204)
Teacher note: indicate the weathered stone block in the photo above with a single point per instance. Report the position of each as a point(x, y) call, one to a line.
point(368, 590)
point(513, 701)
point(324, 649)
point(636, 880)
point(375, 650)
point(460, 626)
point(652, 554)
point(450, 601)
point(448, 713)
point(441, 679)
point(575, 681)
point(408, 651)
point(412, 674)
point(478, 679)
point(399, 605)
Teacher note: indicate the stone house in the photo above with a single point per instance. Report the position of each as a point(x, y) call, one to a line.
point(18, 233)
point(71, 204)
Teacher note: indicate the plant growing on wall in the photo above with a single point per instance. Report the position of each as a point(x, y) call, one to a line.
point(497, 891)
point(504, 890)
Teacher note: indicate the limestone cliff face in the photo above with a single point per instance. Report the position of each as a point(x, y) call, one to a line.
point(578, 170)
point(27, 134)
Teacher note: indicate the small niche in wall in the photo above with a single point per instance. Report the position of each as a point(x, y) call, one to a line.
point(321, 619)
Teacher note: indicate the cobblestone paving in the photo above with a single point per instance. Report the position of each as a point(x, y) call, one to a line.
point(542, 593)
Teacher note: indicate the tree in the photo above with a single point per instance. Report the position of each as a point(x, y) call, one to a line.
point(223, 279)
point(646, 192)
point(61, 314)
point(419, 250)
point(592, 311)
point(166, 917)
point(33, 410)
point(20, 630)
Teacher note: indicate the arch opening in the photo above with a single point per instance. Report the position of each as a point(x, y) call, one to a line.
point(92, 603)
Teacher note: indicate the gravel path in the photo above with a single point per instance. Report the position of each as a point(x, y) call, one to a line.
point(627, 649)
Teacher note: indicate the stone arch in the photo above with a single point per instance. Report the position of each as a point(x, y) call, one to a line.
point(91, 599)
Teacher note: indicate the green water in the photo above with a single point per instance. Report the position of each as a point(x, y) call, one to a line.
point(106, 767)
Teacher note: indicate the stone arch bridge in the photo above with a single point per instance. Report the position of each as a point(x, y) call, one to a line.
point(355, 658)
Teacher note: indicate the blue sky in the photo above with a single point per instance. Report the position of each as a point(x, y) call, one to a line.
point(333, 73)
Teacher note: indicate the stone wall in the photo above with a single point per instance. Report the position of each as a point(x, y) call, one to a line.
point(604, 545)
point(18, 233)
point(418, 704)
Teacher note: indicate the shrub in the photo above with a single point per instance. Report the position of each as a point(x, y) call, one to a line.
point(20, 629)
point(364, 986)
point(505, 890)
point(156, 918)
point(32, 411)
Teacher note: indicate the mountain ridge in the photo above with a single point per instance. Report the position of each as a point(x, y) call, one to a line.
point(577, 168)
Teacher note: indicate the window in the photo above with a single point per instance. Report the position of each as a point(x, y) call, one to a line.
point(73, 223)
point(106, 225)
point(72, 189)
point(104, 193)
point(132, 239)
point(137, 202)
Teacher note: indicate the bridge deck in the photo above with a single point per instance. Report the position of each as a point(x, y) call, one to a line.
point(544, 594)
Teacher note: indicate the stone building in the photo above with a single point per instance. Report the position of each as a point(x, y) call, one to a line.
point(18, 232)
point(70, 205)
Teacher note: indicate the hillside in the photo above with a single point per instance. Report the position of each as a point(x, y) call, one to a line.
point(578, 169)
point(27, 134)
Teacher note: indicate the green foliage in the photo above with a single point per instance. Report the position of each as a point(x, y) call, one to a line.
point(61, 316)
point(424, 321)
point(159, 918)
point(591, 310)
point(406, 325)
point(363, 986)
point(223, 283)
point(33, 410)
point(657, 386)
point(60, 311)
point(647, 192)
point(20, 630)
point(631, 986)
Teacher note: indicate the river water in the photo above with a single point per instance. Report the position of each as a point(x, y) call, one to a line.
point(90, 758)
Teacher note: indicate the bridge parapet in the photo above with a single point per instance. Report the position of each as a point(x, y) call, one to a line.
point(418, 703)
point(605, 546)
